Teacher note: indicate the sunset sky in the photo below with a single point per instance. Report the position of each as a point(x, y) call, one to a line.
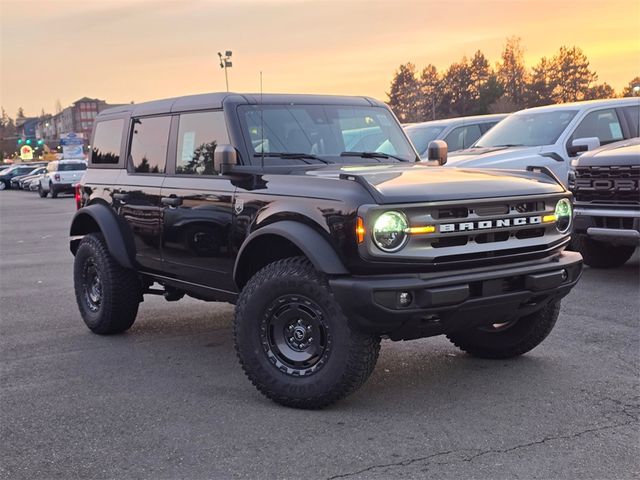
point(120, 50)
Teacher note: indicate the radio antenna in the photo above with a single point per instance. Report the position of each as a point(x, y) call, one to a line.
point(261, 123)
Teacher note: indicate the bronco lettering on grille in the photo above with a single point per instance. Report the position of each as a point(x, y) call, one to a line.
point(486, 224)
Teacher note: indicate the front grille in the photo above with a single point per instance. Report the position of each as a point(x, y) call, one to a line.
point(607, 185)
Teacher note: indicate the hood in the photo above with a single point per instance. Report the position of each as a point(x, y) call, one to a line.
point(490, 157)
point(625, 153)
point(401, 183)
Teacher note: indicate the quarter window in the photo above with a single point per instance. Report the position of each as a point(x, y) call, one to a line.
point(149, 140)
point(633, 118)
point(106, 142)
point(198, 136)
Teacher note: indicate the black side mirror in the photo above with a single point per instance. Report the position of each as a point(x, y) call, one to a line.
point(225, 158)
point(437, 151)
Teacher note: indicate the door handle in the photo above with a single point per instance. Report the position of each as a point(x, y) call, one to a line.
point(121, 196)
point(171, 201)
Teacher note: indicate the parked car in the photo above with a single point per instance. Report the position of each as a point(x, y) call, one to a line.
point(551, 136)
point(260, 201)
point(8, 174)
point(604, 183)
point(15, 181)
point(25, 182)
point(61, 177)
point(459, 133)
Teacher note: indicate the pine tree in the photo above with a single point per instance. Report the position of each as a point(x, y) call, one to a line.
point(602, 90)
point(541, 84)
point(512, 72)
point(430, 93)
point(457, 86)
point(404, 94)
point(572, 75)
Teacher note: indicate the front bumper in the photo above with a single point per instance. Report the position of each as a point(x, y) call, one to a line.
point(618, 226)
point(446, 303)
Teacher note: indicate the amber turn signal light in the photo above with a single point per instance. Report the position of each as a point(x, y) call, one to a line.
point(360, 231)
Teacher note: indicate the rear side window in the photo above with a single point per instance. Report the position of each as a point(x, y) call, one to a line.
point(106, 142)
point(463, 137)
point(198, 136)
point(149, 138)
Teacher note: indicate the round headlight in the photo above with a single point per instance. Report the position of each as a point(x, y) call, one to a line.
point(390, 231)
point(563, 215)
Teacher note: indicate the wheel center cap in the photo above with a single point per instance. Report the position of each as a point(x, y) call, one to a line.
point(299, 333)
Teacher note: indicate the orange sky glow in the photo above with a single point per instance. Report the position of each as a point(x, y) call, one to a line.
point(124, 50)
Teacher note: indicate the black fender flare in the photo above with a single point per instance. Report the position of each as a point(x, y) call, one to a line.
point(119, 240)
point(316, 248)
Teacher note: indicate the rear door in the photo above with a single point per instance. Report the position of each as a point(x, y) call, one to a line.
point(137, 198)
point(198, 204)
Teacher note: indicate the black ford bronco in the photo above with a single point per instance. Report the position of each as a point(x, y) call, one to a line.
point(604, 183)
point(314, 216)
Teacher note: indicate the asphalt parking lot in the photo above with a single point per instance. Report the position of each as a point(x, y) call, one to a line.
point(168, 399)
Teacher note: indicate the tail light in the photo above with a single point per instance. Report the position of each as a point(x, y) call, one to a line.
point(56, 177)
point(78, 196)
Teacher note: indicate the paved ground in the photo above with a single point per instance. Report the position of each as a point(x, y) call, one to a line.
point(168, 399)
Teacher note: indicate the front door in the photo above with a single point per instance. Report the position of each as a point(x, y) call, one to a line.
point(198, 205)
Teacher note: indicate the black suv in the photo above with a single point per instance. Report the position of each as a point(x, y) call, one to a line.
point(607, 203)
point(315, 217)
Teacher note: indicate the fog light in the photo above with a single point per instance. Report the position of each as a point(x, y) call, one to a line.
point(564, 275)
point(405, 299)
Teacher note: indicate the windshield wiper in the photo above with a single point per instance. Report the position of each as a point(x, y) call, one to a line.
point(375, 155)
point(506, 145)
point(293, 156)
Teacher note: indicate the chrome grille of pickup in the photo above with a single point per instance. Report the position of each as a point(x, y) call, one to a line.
point(607, 185)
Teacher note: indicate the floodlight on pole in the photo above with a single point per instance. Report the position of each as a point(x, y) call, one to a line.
point(225, 62)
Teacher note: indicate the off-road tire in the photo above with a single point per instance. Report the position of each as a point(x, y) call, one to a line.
point(54, 193)
point(121, 289)
point(351, 356)
point(598, 254)
point(41, 192)
point(516, 339)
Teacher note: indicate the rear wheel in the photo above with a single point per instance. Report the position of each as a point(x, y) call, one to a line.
point(107, 294)
point(41, 191)
point(294, 341)
point(54, 193)
point(3, 185)
point(598, 254)
point(509, 339)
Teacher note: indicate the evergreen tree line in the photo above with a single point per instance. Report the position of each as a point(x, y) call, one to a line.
point(472, 87)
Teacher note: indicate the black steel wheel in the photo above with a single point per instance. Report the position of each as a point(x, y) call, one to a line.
point(294, 335)
point(107, 294)
point(293, 340)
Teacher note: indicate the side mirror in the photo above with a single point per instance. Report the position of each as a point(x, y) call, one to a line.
point(583, 144)
point(225, 158)
point(437, 151)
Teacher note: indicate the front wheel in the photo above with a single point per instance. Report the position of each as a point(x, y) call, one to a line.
point(107, 294)
point(293, 340)
point(41, 192)
point(509, 339)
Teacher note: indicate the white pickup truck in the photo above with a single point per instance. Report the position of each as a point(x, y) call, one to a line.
point(551, 136)
point(61, 177)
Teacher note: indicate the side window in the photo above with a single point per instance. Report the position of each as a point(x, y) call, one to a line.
point(633, 119)
point(485, 127)
point(106, 142)
point(463, 137)
point(149, 138)
point(198, 136)
point(603, 124)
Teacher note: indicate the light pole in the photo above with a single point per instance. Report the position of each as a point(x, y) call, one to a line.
point(636, 90)
point(225, 62)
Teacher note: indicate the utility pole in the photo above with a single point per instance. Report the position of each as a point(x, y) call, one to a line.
point(225, 62)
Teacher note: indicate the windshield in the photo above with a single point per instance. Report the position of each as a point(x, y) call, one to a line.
point(421, 136)
point(528, 129)
point(323, 131)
